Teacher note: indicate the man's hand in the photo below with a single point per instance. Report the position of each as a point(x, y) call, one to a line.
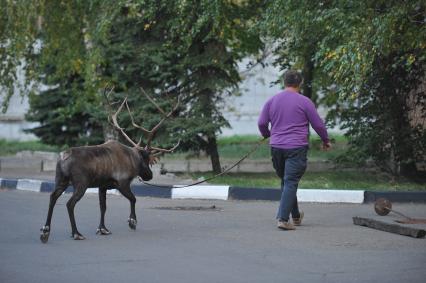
point(326, 146)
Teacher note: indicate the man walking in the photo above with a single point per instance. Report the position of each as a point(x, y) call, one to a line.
point(290, 114)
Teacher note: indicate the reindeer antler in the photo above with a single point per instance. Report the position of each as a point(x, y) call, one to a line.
point(159, 151)
point(166, 116)
point(117, 126)
point(151, 133)
point(107, 100)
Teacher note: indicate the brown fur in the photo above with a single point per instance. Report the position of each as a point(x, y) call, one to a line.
point(109, 165)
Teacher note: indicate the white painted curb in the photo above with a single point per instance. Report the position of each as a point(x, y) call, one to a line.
point(29, 185)
point(200, 192)
point(96, 190)
point(324, 196)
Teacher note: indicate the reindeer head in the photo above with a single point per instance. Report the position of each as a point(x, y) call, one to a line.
point(147, 153)
point(145, 161)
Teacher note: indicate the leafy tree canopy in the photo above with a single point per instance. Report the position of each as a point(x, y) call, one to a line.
point(369, 60)
point(171, 48)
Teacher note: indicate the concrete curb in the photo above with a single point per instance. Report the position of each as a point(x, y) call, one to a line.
point(230, 193)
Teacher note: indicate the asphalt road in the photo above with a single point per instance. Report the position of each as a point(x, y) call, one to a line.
point(239, 243)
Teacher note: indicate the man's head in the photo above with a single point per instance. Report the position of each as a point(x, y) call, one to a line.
point(292, 79)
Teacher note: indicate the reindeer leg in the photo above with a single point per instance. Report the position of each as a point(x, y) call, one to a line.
point(102, 203)
point(60, 187)
point(127, 193)
point(79, 191)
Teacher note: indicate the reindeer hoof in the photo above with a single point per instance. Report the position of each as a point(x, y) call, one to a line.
point(45, 232)
point(78, 237)
point(132, 223)
point(103, 231)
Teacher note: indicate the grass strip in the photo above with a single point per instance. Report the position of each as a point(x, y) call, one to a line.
point(345, 180)
point(12, 147)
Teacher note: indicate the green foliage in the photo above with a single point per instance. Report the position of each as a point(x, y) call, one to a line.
point(17, 26)
point(171, 48)
point(381, 125)
point(296, 29)
point(377, 65)
point(65, 120)
point(34, 34)
point(368, 59)
point(51, 41)
point(189, 50)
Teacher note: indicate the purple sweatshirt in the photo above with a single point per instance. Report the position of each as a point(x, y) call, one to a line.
point(290, 114)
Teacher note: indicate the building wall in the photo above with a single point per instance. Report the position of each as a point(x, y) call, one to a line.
point(12, 123)
point(257, 87)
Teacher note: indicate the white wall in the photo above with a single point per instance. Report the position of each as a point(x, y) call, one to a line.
point(12, 123)
point(242, 111)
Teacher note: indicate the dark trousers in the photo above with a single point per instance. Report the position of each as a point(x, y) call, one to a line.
point(290, 165)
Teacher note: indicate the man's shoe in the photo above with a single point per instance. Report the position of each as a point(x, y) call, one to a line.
point(285, 225)
point(298, 221)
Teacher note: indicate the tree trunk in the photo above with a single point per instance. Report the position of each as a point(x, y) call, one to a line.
point(211, 146)
point(410, 170)
point(214, 154)
point(403, 154)
point(308, 76)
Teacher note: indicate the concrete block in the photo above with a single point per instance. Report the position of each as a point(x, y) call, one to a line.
point(48, 165)
point(199, 166)
point(175, 165)
point(256, 166)
point(319, 166)
point(14, 163)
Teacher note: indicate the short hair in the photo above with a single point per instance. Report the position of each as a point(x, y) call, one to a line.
point(292, 78)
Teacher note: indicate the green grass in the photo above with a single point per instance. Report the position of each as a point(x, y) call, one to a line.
point(236, 151)
point(235, 147)
point(238, 139)
point(12, 147)
point(348, 180)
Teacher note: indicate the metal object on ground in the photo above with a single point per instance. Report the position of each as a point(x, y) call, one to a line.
point(190, 208)
point(383, 206)
point(412, 221)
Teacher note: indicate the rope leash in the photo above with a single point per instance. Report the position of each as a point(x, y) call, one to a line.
point(217, 175)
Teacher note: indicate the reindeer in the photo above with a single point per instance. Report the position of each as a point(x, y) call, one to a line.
point(106, 166)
